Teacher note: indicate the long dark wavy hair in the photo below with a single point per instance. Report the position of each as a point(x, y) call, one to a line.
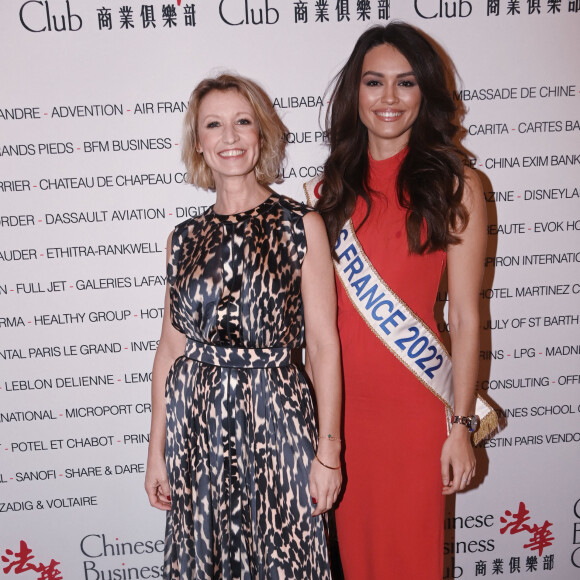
point(430, 181)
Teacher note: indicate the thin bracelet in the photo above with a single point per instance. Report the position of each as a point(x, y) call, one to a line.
point(324, 464)
point(329, 437)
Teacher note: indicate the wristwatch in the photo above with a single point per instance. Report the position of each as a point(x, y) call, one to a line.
point(471, 422)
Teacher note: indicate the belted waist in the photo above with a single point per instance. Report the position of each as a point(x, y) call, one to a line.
point(238, 357)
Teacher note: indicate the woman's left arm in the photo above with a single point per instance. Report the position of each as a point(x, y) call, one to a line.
point(464, 272)
point(323, 351)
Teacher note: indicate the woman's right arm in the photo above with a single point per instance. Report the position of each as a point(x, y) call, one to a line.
point(171, 346)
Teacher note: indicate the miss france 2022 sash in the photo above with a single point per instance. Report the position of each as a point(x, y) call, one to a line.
point(407, 337)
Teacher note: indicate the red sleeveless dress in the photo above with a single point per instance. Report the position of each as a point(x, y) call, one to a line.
point(390, 520)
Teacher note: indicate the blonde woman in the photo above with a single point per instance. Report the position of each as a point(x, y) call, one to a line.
point(234, 454)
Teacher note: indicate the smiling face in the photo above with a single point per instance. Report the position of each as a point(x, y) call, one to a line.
point(389, 100)
point(228, 135)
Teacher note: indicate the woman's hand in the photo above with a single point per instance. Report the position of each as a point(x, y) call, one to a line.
point(457, 460)
point(324, 482)
point(157, 484)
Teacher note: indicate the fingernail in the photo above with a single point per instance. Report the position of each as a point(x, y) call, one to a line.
point(314, 501)
point(168, 498)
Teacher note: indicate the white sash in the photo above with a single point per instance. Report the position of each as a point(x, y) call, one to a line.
point(396, 325)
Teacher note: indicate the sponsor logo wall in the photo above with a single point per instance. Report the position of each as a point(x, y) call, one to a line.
point(91, 184)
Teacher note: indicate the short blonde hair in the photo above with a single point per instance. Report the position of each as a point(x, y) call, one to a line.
point(271, 130)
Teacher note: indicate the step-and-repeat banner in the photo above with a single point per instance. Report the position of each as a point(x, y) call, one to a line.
point(91, 104)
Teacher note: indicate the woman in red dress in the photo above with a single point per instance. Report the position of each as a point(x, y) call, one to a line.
point(416, 209)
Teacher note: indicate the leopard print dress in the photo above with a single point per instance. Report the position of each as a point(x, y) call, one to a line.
point(240, 420)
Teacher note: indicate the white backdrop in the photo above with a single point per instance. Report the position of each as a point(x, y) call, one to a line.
point(91, 103)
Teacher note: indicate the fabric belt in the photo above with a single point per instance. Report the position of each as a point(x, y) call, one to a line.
point(237, 357)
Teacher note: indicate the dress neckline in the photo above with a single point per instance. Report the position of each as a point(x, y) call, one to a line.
point(244, 215)
point(389, 166)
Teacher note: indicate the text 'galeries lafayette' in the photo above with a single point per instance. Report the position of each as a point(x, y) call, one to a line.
point(85, 284)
